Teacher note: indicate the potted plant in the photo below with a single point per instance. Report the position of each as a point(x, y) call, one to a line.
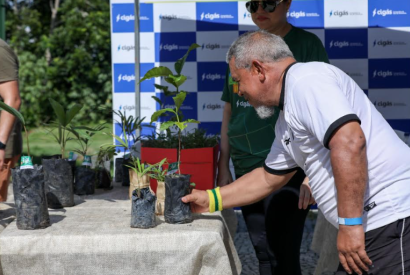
point(103, 166)
point(58, 172)
point(84, 183)
point(28, 187)
point(158, 174)
point(130, 125)
point(199, 159)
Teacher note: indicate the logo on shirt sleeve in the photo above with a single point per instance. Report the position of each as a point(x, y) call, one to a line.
point(370, 206)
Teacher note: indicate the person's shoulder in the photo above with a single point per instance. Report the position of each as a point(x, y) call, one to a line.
point(306, 36)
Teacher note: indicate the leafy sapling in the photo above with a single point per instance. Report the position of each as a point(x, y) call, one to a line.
point(180, 124)
point(64, 118)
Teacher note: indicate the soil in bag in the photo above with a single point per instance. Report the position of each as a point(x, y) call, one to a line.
point(103, 179)
point(58, 180)
point(143, 209)
point(176, 187)
point(30, 198)
point(84, 181)
point(118, 169)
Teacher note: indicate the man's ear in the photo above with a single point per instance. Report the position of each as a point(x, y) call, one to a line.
point(258, 69)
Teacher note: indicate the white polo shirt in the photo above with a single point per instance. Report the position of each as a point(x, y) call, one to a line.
point(316, 99)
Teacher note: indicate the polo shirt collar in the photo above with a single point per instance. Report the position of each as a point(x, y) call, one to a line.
point(282, 93)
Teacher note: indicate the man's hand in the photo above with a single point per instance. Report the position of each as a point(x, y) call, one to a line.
point(351, 247)
point(224, 176)
point(305, 195)
point(199, 201)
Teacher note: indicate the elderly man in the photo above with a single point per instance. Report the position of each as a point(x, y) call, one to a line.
point(359, 170)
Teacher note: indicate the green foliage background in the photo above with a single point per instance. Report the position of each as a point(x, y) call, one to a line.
point(65, 56)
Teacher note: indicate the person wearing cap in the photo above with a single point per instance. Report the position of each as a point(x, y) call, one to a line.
point(358, 168)
point(275, 224)
point(10, 127)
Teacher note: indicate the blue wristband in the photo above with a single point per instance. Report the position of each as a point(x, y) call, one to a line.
point(350, 221)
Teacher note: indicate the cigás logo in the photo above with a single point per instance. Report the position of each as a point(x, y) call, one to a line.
point(212, 77)
point(126, 48)
point(385, 104)
point(384, 43)
point(169, 17)
point(387, 73)
point(172, 47)
point(343, 13)
point(387, 12)
point(125, 77)
point(211, 106)
point(298, 14)
point(214, 46)
point(127, 107)
point(243, 104)
point(342, 44)
point(125, 17)
point(212, 16)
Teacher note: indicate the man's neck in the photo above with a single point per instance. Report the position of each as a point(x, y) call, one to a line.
point(278, 72)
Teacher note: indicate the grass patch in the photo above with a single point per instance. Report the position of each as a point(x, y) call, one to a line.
point(43, 144)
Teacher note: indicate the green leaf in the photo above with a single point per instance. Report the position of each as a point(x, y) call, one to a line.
point(166, 125)
point(157, 100)
point(180, 62)
point(190, 120)
point(157, 72)
point(181, 125)
point(59, 111)
point(176, 80)
point(12, 111)
point(72, 113)
point(162, 88)
point(179, 99)
point(158, 113)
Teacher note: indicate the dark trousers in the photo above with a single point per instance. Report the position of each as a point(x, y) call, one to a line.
point(389, 249)
point(275, 227)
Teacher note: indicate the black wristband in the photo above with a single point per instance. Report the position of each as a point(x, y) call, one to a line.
point(2, 146)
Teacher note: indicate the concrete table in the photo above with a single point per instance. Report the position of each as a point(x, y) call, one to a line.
point(94, 237)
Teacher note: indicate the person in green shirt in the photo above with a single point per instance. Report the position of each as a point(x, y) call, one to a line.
point(10, 128)
point(275, 224)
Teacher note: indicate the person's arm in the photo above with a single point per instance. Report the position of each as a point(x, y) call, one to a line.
point(224, 174)
point(349, 164)
point(248, 189)
point(9, 91)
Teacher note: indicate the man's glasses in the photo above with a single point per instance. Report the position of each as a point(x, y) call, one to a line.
point(268, 6)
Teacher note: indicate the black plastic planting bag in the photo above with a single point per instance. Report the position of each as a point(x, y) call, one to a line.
point(30, 198)
point(58, 180)
point(176, 187)
point(143, 209)
point(103, 179)
point(118, 169)
point(126, 172)
point(84, 183)
point(72, 165)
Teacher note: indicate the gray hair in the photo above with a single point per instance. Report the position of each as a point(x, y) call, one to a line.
point(260, 45)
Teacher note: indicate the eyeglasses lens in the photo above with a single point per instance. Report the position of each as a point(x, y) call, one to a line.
point(268, 6)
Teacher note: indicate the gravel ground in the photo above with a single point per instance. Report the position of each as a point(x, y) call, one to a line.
point(246, 252)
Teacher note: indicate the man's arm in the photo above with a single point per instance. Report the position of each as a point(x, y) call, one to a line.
point(224, 174)
point(9, 91)
point(349, 163)
point(248, 189)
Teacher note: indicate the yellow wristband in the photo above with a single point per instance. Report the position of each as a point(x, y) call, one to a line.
point(218, 195)
point(211, 201)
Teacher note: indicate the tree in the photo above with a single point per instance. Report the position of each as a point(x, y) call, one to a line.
point(64, 52)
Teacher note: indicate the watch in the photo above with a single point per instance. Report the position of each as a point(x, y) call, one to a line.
point(2, 146)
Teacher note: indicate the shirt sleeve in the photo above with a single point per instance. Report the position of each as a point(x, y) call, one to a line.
point(227, 89)
point(279, 162)
point(320, 106)
point(8, 65)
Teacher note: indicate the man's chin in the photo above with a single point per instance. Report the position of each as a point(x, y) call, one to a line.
point(265, 111)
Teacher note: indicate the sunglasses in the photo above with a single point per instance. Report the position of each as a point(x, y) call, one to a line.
point(268, 6)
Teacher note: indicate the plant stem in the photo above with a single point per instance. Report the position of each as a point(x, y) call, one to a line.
point(28, 147)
